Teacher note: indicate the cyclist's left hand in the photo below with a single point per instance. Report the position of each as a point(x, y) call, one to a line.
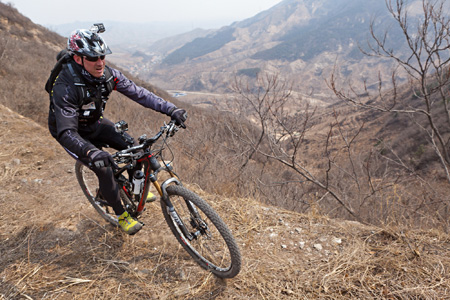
point(179, 115)
point(100, 159)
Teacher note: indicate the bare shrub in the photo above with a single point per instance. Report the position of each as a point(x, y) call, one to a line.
point(329, 162)
point(425, 65)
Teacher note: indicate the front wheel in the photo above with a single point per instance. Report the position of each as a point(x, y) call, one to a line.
point(201, 232)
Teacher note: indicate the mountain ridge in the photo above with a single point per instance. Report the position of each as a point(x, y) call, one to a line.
point(300, 40)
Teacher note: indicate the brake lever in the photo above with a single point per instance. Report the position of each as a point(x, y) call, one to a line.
point(172, 129)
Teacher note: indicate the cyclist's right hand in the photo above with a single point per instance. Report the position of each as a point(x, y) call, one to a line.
point(99, 158)
point(179, 115)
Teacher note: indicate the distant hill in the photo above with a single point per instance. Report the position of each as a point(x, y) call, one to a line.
point(172, 43)
point(300, 39)
point(305, 29)
point(334, 27)
point(201, 46)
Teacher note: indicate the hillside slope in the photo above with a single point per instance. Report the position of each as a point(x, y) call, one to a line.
point(54, 245)
point(211, 156)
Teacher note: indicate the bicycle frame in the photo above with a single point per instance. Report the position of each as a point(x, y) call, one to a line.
point(151, 169)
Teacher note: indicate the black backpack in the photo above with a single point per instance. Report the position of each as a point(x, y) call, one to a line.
point(62, 58)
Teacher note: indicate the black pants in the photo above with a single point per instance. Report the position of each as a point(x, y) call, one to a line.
point(105, 134)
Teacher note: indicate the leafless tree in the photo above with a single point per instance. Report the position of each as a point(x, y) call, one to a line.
point(425, 61)
point(286, 130)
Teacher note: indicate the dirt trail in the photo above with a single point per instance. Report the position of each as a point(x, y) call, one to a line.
point(54, 246)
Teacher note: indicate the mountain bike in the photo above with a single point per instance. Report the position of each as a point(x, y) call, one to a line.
point(195, 224)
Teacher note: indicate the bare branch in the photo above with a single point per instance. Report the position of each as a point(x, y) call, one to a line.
point(426, 65)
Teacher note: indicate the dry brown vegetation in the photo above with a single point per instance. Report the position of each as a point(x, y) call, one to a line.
point(341, 161)
point(54, 246)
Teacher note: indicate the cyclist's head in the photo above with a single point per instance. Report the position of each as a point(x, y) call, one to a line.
point(83, 42)
point(89, 50)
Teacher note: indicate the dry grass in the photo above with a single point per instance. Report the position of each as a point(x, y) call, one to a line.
point(55, 246)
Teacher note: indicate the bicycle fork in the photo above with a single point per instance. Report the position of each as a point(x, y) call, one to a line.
point(173, 213)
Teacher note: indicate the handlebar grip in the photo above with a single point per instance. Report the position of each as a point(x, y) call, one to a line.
point(113, 165)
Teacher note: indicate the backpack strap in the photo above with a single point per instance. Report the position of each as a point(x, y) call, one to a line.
point(111, 82)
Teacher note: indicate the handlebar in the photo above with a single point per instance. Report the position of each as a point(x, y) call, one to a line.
point(170, 129)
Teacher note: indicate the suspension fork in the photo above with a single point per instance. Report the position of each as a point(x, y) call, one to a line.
point(169, 206)
point(174, 178)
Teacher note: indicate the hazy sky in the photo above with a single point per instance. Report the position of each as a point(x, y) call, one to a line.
point(196, 13)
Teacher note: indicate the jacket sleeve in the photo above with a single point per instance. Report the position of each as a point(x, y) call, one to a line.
point(141, 95)
point(66, 110)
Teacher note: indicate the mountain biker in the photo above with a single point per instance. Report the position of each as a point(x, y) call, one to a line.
point(76, 121)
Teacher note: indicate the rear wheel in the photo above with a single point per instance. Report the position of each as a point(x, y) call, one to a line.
point(89, 184)
point(205, 236)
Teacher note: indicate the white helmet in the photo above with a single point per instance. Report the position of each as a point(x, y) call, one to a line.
point(84, 42)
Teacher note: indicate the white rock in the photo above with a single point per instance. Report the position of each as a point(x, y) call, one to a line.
point(273, 235)
point(337, 241)
point(318, 247)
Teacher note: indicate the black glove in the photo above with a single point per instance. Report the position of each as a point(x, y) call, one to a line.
point(100, 158)
point(179, 115)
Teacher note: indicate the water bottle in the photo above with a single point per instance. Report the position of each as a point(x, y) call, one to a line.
point(138, 182)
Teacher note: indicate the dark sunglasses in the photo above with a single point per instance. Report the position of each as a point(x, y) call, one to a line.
point(95, 58)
